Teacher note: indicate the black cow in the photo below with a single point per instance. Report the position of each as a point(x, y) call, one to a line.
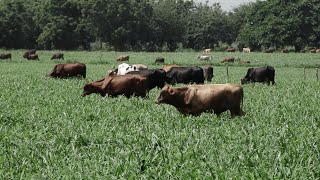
point(57, 56)
point(29, 52)
point(185, 75)
point(156, 77)
point(260, 74)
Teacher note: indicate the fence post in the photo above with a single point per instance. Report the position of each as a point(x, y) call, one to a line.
point(304, 73)
point(317, 74)
point(227, 68)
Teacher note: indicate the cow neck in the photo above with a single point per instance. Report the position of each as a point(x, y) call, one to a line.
point(97, 86)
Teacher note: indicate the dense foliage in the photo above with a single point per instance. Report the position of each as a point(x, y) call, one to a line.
point(155, 25)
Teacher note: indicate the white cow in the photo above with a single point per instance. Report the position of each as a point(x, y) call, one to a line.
point(206, 50)
point(124, 68)
point(246, 50)
point(202, 57)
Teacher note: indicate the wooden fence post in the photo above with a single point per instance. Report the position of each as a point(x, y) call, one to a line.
point(227, 68)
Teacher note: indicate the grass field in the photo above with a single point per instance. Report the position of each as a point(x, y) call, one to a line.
point(49, 131)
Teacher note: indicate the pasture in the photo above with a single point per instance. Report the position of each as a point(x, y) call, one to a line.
point(49, 131)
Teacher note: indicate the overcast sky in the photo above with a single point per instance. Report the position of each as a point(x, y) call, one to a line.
point(226, 5)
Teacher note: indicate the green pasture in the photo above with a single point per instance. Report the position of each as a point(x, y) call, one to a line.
point(49, 131)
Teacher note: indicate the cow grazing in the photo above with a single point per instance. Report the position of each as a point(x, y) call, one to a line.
point(156, 77)
point(228, 60)
point(231, 50)
point(285, 50)
point(31, 51)
point(68, 70)
point(167, 68)
point(123, 58)
point(127, 85)
point(269, 50)
point(159, 60)
point(260, 74)
point(195, 99)
point(203, 57)
point(57, 56)
point(208, 72)
point(246, 50)
point(5, 56)
point(185, 75)
point(206, 51)
point(33, 57)
point(124, 68)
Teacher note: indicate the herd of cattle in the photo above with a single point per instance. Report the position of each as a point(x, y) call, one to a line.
point(138, 80)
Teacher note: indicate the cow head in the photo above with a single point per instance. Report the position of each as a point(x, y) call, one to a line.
point(165, 95)
point(244, 80)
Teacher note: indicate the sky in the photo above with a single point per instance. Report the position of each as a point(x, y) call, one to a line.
point(227, 5)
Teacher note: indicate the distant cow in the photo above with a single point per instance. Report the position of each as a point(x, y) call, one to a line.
point(246, 50)
point(31, 51)
point(269, 50)
point(167, 68)
point(203, 57)
point(260, 74)
point(57, 56)
point(208, 72)
point(231, 50)
point(206, 51)
point(124, 68)
point(159, 60)
point(127, 85)
point(33, 57)
point(313, 50)
point(318, 51)
point(244, 62)
point(185, 75)
point(123, 58)
point(196, 99)
point(68, 70)
point(285, 50)
point(5, 56)
point(156, 77)
point(228, 60)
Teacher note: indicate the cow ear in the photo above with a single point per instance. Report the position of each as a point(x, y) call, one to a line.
point(189, 95)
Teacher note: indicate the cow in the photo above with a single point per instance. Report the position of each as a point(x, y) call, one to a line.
point(5, 56)
point(318, 51)
point(124, 68)
point(33, 57)
point(231, 50)
point(228, 60)
point(313, 51)
point(127, 85)
point(196, 99)
point(260, 74)
point(208, 72)
point(159, 60)
point(68, 70)
point(185, 75)
point(123, 58)
point(244, 62)
point(285, 50)
point(246, 50)
point(203, 57)
point(156, 77)
point(57, 56)
point(31, 51)
point(269, 50)
point(206, 51)
point(167, 68)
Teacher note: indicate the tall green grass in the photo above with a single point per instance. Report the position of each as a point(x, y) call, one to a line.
point(48, 131)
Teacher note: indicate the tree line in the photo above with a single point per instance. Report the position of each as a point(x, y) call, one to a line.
point(157, 25)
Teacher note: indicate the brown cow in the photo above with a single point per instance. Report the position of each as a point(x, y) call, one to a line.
point(159, 60)
point(57, 56)
point(269, 50)
point(68, 70)
point(208, 72)
point(31, 51)
point(228, 60)
point(195, 99)
point(285, 50)
point(127, 85)
point(231, 50)
point(167, 68)
point(33, 57)
point(5, 56)
point(123, 58)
